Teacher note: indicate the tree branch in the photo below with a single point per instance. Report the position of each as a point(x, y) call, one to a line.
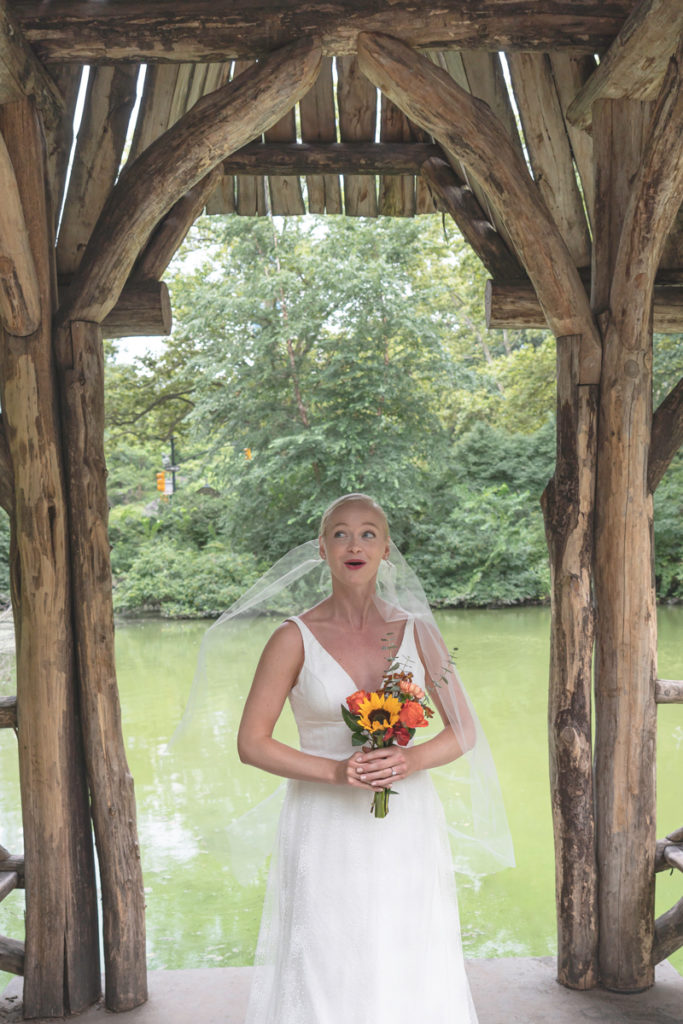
point(466, 127)
point(667, 435)
point(216, 126)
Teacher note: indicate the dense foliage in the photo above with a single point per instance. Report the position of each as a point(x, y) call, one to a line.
point(310, 358)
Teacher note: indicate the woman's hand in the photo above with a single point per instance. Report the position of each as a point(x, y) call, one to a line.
point(376, 769)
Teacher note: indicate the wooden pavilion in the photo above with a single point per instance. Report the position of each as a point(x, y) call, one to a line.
point(381, 107)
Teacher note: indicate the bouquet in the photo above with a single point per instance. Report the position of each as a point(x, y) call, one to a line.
point(388, 715)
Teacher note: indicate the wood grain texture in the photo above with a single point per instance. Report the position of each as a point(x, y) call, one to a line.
point(91, 32)
point(568, 509)
point(216, 126)
point(357, 101)
point(12, 956)
point(21, 73)
point(8, 714)
point(19, 292)
point(286, 199)
point(668, 933)
point(636, 61)
point(396, 194)
point(570, 73)
point(250, 192)
point(334, 158)
point(143, 310)
point(667, 435)
point(669, 691)
point(465, 126)
point(319, 125)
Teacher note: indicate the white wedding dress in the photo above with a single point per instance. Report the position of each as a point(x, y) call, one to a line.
point(360, 924)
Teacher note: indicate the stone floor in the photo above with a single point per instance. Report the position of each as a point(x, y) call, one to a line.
point(506, 991)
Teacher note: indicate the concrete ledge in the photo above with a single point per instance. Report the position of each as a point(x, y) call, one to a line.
point(519, 990)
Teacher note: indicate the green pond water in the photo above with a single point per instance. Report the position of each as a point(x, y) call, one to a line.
point(197, 915)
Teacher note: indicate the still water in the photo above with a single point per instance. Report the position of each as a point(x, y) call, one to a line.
point(198, 915)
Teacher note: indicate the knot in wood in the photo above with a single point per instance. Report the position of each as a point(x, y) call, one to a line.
point(631, 368)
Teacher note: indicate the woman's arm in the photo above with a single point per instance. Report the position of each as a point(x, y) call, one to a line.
point(276, 673)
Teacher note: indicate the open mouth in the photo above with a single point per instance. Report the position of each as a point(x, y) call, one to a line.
point(354, 563)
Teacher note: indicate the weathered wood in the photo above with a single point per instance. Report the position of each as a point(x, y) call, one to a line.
point(222, 199)
point(568, 512)
point(625, 664)
point(357, 101)
point(90, 33)
point(143, 310)
point(388, 158)
point(8, 882)
point(81, 364)
point(19, 294)
point(155, 107)
point(11, 955)
point(636, 61)
point(319, 125)
point(250, 198)
point(15, 864)
point(460, 202)
point(668, 854)
point(59, 136)
point(669, 691)
point(513, 305)
point(466, 127)
point(286, 199)
point(169, 234)
point(667, 434)
point(548, 148)
point(4, 853)
point(570, 74)
point(396, 194)
point(21, 73)
point(668, 933)
point(62, 958)
point(6, 474)
point(8, 712)
point(217, 125)
point(97, 158)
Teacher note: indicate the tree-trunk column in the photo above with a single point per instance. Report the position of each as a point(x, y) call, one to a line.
point(625, 669)
point(62, 972)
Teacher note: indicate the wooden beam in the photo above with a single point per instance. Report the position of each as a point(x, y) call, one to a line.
point(19, 292)
point(513, 305)
point(669, 852)
point(9, 881)
point(218, 124)
point(169, 234)
point(465, 126)
point(97, 158)
point(21, 73)
point(89, 32)
point(357, 102)
point(570, 74)
point(286, 198)
point(143, 310)
point(635, 63)
point(459, 200)
point(331, 158)
point(668, 933)
point(319, 125)
point(11, 955)
point(6, 473)
point(8, 712)
point(667, 435)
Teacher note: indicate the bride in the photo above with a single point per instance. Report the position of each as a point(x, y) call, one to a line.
point(361, 921)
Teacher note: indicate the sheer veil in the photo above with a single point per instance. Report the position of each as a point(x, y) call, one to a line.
point(243, 824)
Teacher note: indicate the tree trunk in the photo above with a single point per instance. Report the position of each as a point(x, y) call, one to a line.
point(568, 509)
point(62, 971)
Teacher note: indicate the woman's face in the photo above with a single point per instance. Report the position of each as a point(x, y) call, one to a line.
point(355, 542)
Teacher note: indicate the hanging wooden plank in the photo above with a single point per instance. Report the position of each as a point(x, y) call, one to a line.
point(21, 73)
point(465, 126)
point(635, 63)
point(250, 193)
point(99, 148)
point(62, 963)
point(357, 100)
point(570, 74)
point(549, 150)
point(184, 155)
point(513, 305)
point(458, 200)
point(396, 194)
point(319, 125)
point(89, 32)
point(155, 107)
point(181, 90)
point(59, 136)
point(19, 291)
point(286, 199)
point(222, 199)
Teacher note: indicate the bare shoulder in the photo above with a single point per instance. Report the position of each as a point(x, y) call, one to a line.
point(285, 646)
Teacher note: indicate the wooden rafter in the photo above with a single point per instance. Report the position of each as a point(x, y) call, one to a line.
point(21, 73)
point(465, 126)
point(19, 293)
point(217, 125)
point(312, 158)
point(635, 63)
point(89, 31)
point(357, 101)
point(319, 125)
point(570, 74)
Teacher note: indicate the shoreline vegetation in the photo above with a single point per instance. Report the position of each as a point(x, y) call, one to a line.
point(314, 357)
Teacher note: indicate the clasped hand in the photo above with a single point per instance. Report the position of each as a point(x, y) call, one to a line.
point(376, 769)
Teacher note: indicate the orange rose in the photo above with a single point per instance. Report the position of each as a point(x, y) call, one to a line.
point(411, 688)
point(356, 699)
point(412, 716)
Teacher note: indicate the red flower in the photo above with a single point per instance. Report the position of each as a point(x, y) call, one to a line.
point(412, 715)
point(402, 736)
point(356, 699)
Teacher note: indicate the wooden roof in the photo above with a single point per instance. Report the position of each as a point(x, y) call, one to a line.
point(345, 148)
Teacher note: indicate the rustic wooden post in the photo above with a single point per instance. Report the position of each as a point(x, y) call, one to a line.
point(62, 972)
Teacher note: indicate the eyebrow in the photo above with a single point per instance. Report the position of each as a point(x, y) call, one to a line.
point(367, 522)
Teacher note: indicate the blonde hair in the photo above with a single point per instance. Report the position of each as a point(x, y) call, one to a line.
point(355, 496)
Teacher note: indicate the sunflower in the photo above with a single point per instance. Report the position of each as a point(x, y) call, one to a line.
point(378, 712)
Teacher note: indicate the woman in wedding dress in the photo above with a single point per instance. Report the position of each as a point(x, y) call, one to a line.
point(361, 921)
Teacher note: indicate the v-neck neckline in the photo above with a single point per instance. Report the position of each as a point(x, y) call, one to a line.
point(336, 662)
